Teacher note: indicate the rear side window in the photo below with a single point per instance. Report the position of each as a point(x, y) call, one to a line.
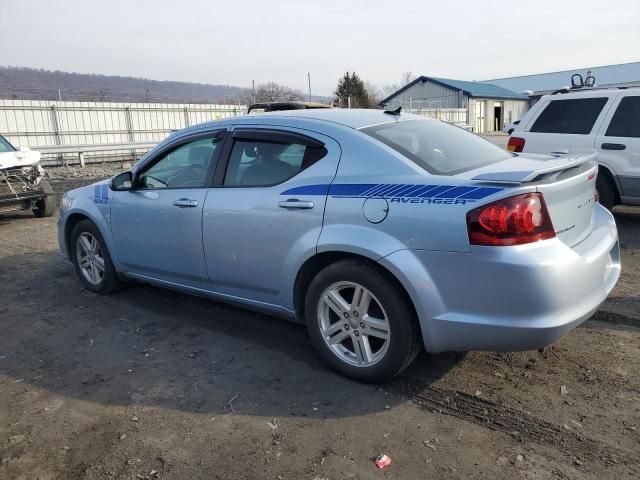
point(270, 159)
point(569, 116)
point(626, 120)
point(437, 147)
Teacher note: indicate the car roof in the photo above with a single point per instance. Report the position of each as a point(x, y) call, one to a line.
point(354, 117)
point(593, 92)
point(349, 117)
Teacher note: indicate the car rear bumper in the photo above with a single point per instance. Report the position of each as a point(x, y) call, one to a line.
point(511, 298)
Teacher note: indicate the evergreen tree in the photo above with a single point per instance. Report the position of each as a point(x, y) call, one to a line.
point(351, 86)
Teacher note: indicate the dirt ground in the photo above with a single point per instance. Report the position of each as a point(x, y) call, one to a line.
point(147, 383)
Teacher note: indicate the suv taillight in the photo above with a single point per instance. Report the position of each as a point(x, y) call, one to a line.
point(516, 144)
point(510, 221)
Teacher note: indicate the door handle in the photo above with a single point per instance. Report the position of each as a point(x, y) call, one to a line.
point(613, 146)
point(185, 202)
point(295, 203)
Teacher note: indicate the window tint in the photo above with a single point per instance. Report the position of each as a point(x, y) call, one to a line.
point(255, 163)
point(437, 147)
point(184, 167)
point(5, 146)
point(569, 116)
point(626, 120)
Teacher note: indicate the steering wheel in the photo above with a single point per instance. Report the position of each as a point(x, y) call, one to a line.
point(190, 176)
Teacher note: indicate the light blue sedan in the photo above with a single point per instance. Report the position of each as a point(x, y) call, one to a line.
point(384, 232)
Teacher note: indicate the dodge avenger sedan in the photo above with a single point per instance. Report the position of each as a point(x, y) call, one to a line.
point(384, 232)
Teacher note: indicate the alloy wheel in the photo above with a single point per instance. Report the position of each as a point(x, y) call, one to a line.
point(90, 258)
point(353, 324)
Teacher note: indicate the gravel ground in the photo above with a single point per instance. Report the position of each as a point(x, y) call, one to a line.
point(147, 383)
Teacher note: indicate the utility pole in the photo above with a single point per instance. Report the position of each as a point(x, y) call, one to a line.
point(59, 95)
point(309, 79)
point(253, 91)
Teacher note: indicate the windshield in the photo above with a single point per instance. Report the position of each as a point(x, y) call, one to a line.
point(5, 146)
point(438, 147)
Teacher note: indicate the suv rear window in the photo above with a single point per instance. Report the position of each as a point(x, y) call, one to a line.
point(438, 147)
point(569, 116)
point(626, 120)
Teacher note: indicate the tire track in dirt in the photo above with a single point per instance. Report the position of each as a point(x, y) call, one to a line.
point(518, 424)
point(615, 318)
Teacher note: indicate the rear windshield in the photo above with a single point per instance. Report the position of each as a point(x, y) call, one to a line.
point(438, 147)
point(575, 116)
point(5, 146)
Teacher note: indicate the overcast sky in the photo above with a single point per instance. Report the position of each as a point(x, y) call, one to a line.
point(236, 41)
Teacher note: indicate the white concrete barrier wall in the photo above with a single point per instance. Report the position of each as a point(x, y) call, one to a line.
point(34, 123)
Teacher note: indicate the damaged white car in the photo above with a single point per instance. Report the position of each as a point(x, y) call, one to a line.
point(22, 182)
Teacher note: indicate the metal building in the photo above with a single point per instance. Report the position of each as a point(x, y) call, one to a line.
point(484, 107)
point(619, 75)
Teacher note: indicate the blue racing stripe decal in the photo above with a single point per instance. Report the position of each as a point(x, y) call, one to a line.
point(403, 193)
point(101, 194)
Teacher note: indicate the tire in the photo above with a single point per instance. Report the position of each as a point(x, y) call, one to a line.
point(104, 281)
point(46, 206)
point(606, 191)
point(388, 302)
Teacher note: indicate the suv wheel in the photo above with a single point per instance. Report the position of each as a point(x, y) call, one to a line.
point(360, 321)
point(606, 191)
point(91, 258)
point(46, 206)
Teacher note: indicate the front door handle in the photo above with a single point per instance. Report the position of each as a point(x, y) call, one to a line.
point(185, 202)
point(295, 203)
point(613, 146)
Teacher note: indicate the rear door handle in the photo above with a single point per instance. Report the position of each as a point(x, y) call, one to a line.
point(613, 146)
point(185, 202)
point(295, 203)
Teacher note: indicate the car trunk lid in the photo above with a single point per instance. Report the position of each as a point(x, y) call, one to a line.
point(567, 182)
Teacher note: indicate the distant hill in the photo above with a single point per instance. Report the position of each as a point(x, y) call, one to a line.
point(39, 84)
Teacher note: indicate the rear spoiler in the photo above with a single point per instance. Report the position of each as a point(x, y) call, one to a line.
point(547, 166)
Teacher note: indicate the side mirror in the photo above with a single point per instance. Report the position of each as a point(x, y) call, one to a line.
point(122, 182)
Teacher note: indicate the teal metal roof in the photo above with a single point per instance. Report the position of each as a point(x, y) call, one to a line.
point(479, 89)
point(471, 89)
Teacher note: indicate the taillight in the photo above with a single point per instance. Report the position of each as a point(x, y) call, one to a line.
point(516, 144)
point(511, 221)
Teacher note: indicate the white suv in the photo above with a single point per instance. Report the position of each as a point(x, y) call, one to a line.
point(605, 120)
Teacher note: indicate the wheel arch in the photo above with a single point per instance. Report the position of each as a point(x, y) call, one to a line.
point(316, 263)
point(75, 217)
point(607, 172)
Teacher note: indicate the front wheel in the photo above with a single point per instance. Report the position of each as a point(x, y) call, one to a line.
point(91, 258)
point(46, 206)
point(360, 321)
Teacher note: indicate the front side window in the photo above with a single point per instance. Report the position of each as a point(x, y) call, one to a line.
point(184, 167)
point(5, 146)
point(437, 147)
point(575, 116)
point(626, 120)
point(269, 161)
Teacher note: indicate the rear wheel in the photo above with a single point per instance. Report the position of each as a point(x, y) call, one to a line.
point(360, 321)
point(46, 206)
point(606, 191)
point(91, 258)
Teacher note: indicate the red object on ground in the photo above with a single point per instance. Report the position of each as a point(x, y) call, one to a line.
point(382, 461)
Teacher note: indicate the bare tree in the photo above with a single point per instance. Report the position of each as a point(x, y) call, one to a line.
point(407, 78)
point(373, 93)
point(274, 92)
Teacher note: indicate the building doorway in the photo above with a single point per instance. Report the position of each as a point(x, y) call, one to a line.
point(497, 117)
